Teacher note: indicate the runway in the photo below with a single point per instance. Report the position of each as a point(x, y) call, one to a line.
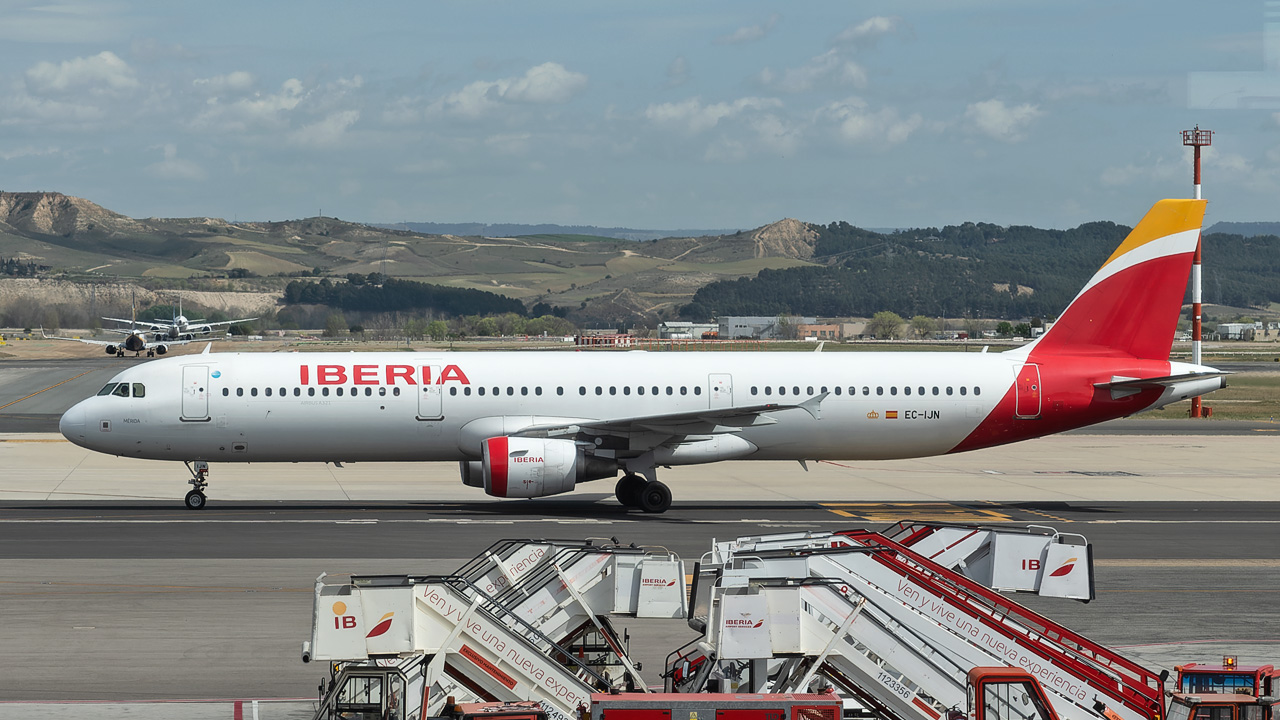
point(113, 591)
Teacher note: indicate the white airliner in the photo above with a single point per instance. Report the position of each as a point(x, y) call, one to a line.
point(526, 424)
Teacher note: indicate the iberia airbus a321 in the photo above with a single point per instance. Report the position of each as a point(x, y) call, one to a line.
point(523, 424)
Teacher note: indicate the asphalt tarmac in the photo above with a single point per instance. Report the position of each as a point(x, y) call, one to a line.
point(112, 591)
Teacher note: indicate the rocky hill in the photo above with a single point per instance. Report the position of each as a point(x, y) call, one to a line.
point(51, 213)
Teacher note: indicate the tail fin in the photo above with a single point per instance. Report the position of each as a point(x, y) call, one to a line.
point(1131, 305)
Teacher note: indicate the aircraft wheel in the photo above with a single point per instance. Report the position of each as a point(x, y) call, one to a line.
point(655, 498)
point(195, 500)
point(628, 489)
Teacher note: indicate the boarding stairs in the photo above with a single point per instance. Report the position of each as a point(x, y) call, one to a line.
point(885, 624)
point(525, 620)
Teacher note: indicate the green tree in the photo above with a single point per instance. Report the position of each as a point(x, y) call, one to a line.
point(923, 326)
point(437, 330)
point(335, 325)
point(885, 325)
point(1004, 328)
point(1022, 330)
point(487, 327)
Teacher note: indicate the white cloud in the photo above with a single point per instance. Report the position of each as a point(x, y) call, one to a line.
point(857, 124)
point(829, 68)
point(327, 131)
point(96, 74)
point(1001, 122)
point(173, 167)
point(547, 83)
point(867, 32)
point(237, 81)
point(693, 117)
point(256, 111)
point(749, 33)
point(678, 72)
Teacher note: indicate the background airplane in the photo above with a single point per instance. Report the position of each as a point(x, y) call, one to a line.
point(534, 424)
point(178, 327)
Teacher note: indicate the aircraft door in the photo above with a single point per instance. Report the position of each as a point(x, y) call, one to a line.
point(430, 396)
point(720, 390)
point(1027, 392)
point(195, 393)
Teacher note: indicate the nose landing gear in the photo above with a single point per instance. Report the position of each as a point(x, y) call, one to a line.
point(195, 499)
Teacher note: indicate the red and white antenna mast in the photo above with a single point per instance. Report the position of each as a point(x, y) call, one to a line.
point(1197, 139)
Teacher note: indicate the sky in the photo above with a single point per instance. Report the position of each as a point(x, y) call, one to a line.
point(655, 114)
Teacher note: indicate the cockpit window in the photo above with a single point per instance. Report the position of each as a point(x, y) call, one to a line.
point(122, 390)
point(106, 389)
point(139, 390)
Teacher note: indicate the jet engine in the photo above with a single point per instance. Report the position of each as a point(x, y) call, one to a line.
point(111, 349)
point(162, 349)
point(515, 467)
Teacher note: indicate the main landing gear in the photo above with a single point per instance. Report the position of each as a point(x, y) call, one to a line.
point(650, 496)
point(199, 481)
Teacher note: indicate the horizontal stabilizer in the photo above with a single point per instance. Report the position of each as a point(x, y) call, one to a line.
point(1167, 381)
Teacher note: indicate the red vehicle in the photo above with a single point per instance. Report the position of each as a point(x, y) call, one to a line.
point(1006, 693)
point(1228, 678)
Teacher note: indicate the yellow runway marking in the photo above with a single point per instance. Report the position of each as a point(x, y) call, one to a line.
point(927, 512)
point(64, 382)
point(1045, 515)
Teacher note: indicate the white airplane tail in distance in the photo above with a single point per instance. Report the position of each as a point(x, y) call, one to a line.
point(525, 424)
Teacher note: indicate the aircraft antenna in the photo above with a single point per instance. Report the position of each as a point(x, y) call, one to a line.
point(1196, 139)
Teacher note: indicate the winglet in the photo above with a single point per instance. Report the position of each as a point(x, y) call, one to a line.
point(206, 348)
point(813, 405)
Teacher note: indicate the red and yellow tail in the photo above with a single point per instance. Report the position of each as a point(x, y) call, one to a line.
point(1130, 307)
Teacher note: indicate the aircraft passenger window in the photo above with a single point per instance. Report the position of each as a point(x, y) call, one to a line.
point(837, 388)
point(948, 389)
point(466, 391)
point(753, 389)
point(626, 389)
point(524, 391)
point(324, 392)
point(639, 389)
point(920, 390)
point(311, 392)
point(599, 390)
point(824, 389)
point(395, 391)
point(809, 390)
point(582, 390)
point(963, 390)
point(893, 390)
point(865, 390)
point(254, 391)
point(669, 390)
point(537, 390)
point(935, 389)
point(453, 390)
point(368, 392)
point(795, 390)
point(106, 389)
point(559, 390)
point(268, 392)
point(480, 390)
point(226, 392)
point(697, 389)
point(655, 389)
point(337, 390)
point(510, 390)
point(906, 390)
point(122, 390)
point(613, 390)
point(239, 392)
point(684, 390)
point(283, 392)
point(976, 390)
point(297, 392)
point(497, 391)
point(879, 390)
point(782, 389)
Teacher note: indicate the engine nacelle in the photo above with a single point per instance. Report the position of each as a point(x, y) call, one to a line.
point(162, 349)
point(472, 472)
point(111, 349)
point(515, 467)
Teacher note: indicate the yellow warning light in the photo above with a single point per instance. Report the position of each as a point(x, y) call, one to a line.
point(1228, 661)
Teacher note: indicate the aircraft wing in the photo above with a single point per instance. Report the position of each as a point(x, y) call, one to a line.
point(220, 322)
point(82, 340)
point(148, 323)
point(661, 428)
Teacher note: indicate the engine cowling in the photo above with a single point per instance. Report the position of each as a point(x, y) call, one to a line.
point(111, 349)
point(515, 467)
point(162, 349)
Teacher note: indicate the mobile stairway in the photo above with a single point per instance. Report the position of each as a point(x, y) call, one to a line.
point(874, 616)
point(524, 620)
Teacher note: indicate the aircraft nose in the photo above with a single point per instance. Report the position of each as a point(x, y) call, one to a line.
point(72, 424)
